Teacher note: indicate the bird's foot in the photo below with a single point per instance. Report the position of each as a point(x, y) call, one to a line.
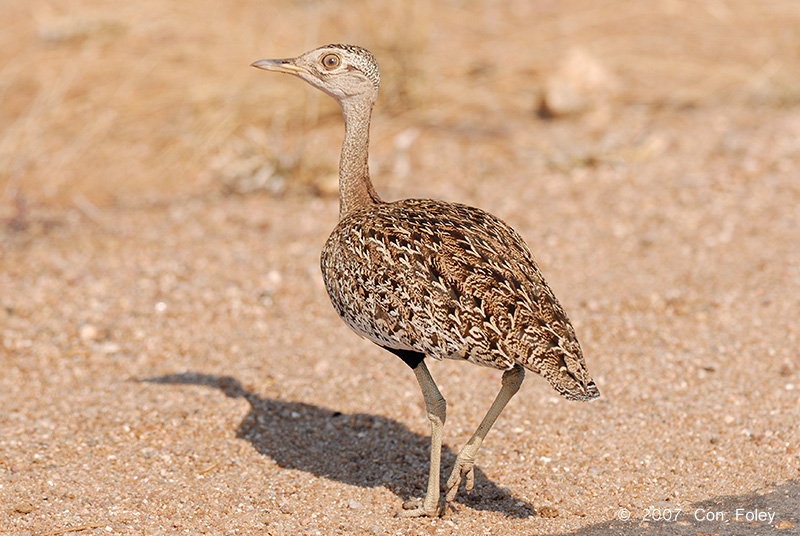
point(464, 467)
point(418, 508)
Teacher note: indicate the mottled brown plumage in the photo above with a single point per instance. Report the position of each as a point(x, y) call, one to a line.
point(428, 278)
point(450, 281)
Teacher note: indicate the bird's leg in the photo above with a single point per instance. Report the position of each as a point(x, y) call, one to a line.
point(437, 409)
point(464, 466)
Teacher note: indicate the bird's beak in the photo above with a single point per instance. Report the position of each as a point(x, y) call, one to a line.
point(281, 66)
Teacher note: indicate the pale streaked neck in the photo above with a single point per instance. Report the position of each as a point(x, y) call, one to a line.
point(355, 187)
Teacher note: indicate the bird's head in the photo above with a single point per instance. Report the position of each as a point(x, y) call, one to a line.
point(341, 71)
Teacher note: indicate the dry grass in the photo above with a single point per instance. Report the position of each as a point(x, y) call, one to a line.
point(106, 102)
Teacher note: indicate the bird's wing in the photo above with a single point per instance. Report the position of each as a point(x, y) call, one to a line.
point(443, 279)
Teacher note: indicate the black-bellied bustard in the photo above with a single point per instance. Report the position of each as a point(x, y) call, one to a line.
point(424, 278)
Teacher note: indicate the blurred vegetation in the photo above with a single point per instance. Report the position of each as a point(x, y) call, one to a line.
point(106, 102)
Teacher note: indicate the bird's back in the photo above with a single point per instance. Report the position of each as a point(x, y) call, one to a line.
point(449, 281)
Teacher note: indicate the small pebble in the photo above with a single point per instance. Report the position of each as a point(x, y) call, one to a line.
point(88, 332)
point(24, 508)
point(354, 505)
point(109, 347)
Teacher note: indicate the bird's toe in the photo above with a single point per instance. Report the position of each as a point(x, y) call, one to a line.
point(418, 508)
point(462, 468)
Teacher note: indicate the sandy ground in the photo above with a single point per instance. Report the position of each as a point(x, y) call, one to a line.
point(177, 368)
point(169, 360)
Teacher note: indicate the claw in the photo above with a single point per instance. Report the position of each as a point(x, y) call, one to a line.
point(411, 504)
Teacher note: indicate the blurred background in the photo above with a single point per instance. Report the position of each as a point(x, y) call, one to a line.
point(105, 103)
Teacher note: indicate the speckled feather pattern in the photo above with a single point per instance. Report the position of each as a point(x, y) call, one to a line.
point(451, 281)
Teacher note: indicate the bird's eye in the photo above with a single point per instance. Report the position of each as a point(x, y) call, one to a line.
point(331, 61)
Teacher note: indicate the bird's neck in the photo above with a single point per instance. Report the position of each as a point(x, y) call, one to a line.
point(355, 187)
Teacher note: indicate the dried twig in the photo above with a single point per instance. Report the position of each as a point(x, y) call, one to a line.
point(76, 528)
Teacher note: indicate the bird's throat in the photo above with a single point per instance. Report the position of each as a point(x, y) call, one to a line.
point(355, 187)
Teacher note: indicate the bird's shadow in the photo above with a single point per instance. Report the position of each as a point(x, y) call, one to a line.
point(360, 449)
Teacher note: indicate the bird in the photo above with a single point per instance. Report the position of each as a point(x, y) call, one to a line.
point(424, 278)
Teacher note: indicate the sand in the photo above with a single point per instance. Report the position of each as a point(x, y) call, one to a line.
point(169, 360)
point(178, 369)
